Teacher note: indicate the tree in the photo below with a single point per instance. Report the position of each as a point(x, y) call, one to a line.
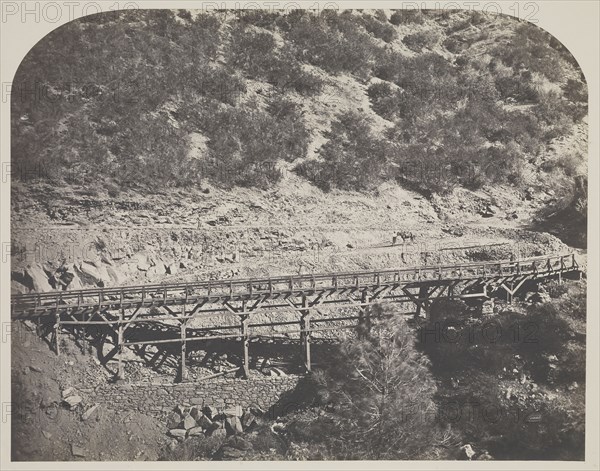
point(382, 392)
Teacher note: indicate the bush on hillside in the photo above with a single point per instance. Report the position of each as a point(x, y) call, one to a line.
point(379, 29)
point(353, 158)
point(416, 42)
point(406, 17)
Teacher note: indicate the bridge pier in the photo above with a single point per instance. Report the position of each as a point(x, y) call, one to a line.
point(57, 332)
point(305, 334)
point(183, 333)
point(120, 332)
point(364, 322)
point(244, 328)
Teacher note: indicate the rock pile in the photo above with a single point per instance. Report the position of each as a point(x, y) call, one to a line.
point(184, 422)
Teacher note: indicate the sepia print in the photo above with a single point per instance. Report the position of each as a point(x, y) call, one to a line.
point(294, 235)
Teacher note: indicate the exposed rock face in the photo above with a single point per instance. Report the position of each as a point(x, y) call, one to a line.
point(31, 278)
point(97, 275)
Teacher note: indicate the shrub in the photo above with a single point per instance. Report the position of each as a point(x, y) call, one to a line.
point(245, 144)
point(257, 55)
point(529, 49)
point(332, 41)
point(517, 89)
point(385, 101)
point(261, 18)
point(576, 91)
point(353, 157)
point(379, 29)
point(425, 39)
point(406, 17)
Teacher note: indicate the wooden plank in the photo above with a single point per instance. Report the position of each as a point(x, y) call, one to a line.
point(120, 344)
point(57, 332)
point(183, 332)
point(244, 322)
point(305, 334)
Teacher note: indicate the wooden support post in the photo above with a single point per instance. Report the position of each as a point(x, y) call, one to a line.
point(244, 324)
point(244, 319)
point(367, 317)
point(305, 334)
point(183, 327)
point(84, 335)
point(57, 332)
point(422, 297)
point(120, 370)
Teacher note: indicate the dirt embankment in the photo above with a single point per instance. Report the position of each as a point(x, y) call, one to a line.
point(69, 238)
point(51, 417)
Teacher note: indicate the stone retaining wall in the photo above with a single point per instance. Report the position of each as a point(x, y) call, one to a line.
point(158, 399)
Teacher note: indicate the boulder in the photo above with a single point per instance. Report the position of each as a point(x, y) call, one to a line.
point(233, 426)
point(529, 193)
point(36, 278)
point(73, 401)
point(248, 420)
point(78, 451)
point(69, 278)
point(195, 431)
point(195, 412)
point(178, 433)
point(467, 452)
point(17, 288)
point(217, 431)
point(145, 261)
point(235, 411)
point(91, 274)
point(88, 413)
point(173, 420)
point(116, 278)
point(210, 412)
point(188, 422)
point(204, 422)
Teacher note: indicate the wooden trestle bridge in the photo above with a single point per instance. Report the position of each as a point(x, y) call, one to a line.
point(118, 308)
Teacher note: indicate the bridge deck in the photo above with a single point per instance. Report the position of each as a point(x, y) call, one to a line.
point(126, 297)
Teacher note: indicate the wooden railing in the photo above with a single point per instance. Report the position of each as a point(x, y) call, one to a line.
point(156, 294)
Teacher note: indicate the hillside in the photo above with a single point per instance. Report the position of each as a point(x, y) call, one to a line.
point(348, 100)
